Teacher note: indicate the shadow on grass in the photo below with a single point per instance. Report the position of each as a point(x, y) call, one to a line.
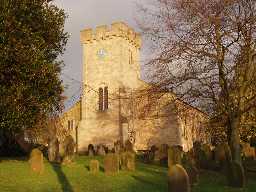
point(150, 183)
point(143, 180)
point(22, 159)
point(88, 168)
point(152, 169)
point(65, 184)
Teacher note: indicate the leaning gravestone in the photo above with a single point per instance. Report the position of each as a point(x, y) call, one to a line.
point(36, 161)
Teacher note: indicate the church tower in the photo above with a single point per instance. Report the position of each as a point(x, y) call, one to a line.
point(111, 58)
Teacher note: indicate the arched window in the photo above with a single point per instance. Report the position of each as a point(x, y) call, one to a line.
point(105, 98)
point(70, 125)
point(100, 99)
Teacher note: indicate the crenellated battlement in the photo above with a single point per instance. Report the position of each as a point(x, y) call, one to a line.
point(118, 29)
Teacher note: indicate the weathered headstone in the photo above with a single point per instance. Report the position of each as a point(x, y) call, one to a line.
point(128, 146)
point(189, 165)
point(106, 149)
point(196, 151)
point(248, 151)
point(219, 154)
point(101, 150)
point(153, 149)
point(117, 146)
point(253, 141)
point(223, 155)
point(91, 150)
point(174, 155)
point(157, 155)
point(208, 153)
point(178, 179)
point(36, 161)
point(148, 157)
point(69, 149)
point(205, 157)
point(111, 163)
point(193, 174)
point(94, 166)
point(163, 154)
point(127, 161)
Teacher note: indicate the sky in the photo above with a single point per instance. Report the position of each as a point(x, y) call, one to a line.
point(89, 14)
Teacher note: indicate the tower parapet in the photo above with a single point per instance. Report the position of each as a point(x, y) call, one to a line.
point(118, 29)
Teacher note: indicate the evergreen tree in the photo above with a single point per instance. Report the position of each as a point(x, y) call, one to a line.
point(31, 39)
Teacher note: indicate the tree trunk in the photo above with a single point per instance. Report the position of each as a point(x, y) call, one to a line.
point(235, 139)
point(53, 150)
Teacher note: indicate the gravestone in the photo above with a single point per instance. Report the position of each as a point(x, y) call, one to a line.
point(174, 156)
point(69, 149)
point(117, 146)
point(90, 150)
point(248, 151)
point(94, 166)
point(178, 179)
point(111, 163)
point(36, 161)
point(163, 154)
point(128, 146)
point(101, 150)
point(127, 161)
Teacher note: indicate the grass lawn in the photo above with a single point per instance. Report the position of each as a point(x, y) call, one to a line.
point(15, 175)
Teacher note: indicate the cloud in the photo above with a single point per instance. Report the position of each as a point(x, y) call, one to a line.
point(89, 14)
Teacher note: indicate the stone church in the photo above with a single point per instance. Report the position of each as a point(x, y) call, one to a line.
point(116, 105)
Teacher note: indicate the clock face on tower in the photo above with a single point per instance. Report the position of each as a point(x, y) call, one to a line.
point(101, 53)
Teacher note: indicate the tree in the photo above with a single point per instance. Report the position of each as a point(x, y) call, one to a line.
point(206, 54)
point(31, 39)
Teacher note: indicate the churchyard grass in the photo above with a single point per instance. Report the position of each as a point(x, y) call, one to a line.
point(15, 175)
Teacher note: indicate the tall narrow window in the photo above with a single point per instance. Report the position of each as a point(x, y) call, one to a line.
point(105, 98)
point(68, 124)
point(100, 99)
point(130, 57)
point(72, 124)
